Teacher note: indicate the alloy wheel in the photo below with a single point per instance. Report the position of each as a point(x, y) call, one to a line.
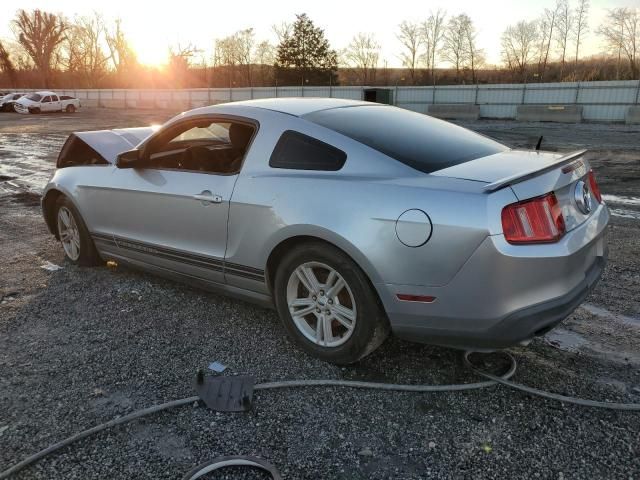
point(69, 234)
point(321, 304)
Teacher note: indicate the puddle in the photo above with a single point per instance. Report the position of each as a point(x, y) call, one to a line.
point(620, 200)
point(604, 313)
point(565, 340)
point(625, 213)
point(625, 202)
point(27, 161)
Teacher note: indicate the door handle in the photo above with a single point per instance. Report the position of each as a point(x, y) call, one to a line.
point(207, 197)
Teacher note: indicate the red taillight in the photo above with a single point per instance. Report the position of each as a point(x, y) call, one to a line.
point(538, 220)
point(595, 189)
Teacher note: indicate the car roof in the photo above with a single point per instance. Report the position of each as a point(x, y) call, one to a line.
point(293, 105)
point(46, 92)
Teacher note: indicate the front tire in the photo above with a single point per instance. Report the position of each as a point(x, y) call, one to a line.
point(70, 109)
point(74, 235)
point(327, 304)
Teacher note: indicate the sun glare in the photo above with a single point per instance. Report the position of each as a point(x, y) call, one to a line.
point(150, 52)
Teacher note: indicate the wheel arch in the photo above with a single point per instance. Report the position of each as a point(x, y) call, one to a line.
point(49, 199)
point(48, 209)
point(285, 245)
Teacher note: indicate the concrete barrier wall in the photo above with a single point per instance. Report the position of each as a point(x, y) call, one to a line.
point(599, 101)
point(549, 113)
point(633, 115)
point(454, 111)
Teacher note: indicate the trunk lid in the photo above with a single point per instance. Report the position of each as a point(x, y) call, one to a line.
point(531, 174)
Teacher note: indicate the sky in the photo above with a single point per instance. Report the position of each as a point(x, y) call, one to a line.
point(153, 26)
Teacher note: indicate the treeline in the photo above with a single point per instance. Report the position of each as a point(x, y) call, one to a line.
point(49, 50)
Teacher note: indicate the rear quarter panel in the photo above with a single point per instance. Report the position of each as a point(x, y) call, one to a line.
point(356, 209)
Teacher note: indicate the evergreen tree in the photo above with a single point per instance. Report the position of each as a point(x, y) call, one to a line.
point(304, 56)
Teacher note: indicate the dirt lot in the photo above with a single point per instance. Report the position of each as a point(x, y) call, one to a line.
point(82, 346)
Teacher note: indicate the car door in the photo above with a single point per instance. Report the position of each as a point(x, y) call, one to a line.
point(168, 216)
point(45, 104)
point(56, 104)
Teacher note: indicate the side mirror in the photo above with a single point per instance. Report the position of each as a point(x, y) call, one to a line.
point(130, 159)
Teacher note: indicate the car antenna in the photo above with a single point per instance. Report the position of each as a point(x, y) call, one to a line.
point(539, 143)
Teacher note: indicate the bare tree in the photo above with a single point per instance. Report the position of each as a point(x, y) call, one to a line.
point(519, 46)
point(411, 39)
point(40, 34)
point(6, 65)
point(475, 55)
point(580, 25)
point(433, 30)
point(121, 54)
point(455, 49)
point(225, 55)
point(86, 40)
point(363, 53)
point(621, 31)
point(244, 41)
point(265, 56)
point(282, 31)
point(547, 25)
point(180, 58)
point(563, 31)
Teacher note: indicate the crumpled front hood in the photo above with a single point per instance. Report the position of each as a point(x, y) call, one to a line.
point(26, 102)
point(110, 143)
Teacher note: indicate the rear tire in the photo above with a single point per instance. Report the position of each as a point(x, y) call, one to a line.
point(70, 109)
point(327, 304)
point(74, 236)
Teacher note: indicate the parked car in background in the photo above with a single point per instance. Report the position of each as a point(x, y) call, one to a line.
point(7, 101)
point(351, 218)
point(45, 101)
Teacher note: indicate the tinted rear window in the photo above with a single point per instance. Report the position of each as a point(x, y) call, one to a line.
point(417, 140)
point(297, 151)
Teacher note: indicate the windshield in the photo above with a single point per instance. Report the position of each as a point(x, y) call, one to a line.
point(34, 97)
point(419, 141)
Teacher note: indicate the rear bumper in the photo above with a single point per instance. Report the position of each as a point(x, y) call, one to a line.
point(518, 327)
point(503, 295)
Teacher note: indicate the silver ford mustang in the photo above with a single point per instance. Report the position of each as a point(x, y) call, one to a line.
point(353, 219)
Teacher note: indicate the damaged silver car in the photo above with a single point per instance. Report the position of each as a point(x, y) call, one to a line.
point(353, 219)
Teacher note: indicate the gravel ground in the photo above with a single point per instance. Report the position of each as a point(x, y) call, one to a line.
point(81, 346)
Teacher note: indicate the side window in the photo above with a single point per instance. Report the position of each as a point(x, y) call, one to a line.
point(215, 132)
point(54, 98)
point(202, 145)
point(46, 99)
point(298, 151)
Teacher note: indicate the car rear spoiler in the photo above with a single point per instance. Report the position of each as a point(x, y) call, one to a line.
point(527, 174)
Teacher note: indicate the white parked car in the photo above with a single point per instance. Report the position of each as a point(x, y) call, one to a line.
point(45, 101)
point(7, 101)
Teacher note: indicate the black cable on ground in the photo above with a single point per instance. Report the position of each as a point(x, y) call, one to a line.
point(232, 461)
point(550, 395)
point(492, 380)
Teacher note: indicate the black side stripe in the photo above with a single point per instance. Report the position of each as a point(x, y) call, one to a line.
point(188, 258)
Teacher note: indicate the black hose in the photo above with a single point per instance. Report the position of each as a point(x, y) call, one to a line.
point(492, 380)
point(550, 395)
